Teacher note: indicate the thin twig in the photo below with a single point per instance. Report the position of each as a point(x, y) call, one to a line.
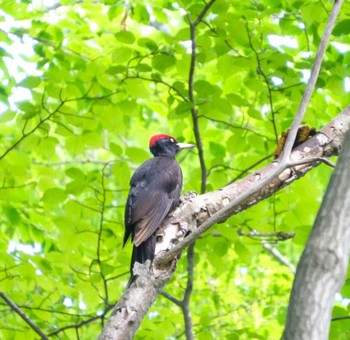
point(341, 318)
point(100, 230)
point(311, 83)
point(275, 253)
point(82, 323)
point(159, 81)
point(250, 168)
point(172, 298)
point(26, 319)
point(312, 160)
point(261, 72)
point(233, 126)
point(188, 291)
point(185, 305)
point(193, 26)
point(51, 114)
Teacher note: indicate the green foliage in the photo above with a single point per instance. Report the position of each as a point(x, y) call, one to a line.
point(83, 87)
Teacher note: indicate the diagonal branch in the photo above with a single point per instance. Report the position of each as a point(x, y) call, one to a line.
point(138, 298)
point(276, 254)
point(257, 186)
point(24, 317)
point(312, 81)
point(50, 115)
point(284, 163)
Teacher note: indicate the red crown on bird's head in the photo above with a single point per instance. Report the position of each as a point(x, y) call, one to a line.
point(155, 138)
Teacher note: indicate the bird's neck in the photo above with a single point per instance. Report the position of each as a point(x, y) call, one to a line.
point(165, 154)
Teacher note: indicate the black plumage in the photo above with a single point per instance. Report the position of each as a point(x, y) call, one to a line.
point(155, 191)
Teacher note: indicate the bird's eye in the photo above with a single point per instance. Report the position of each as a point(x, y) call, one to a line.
point(172, 140)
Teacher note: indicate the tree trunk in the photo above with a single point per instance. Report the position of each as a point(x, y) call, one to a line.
point(323, 266)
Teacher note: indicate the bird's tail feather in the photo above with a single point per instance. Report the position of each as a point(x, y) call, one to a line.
point(142, 253)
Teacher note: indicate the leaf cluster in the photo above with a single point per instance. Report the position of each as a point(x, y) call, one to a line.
point(83, 86)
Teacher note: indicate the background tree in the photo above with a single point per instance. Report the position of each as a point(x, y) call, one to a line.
point(84, 85)
point(324, 263)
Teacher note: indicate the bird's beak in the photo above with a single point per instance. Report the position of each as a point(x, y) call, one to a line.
point(185, 146)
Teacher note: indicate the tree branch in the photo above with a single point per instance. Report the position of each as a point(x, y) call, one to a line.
point(190, 253)
point(264, 182)
point(50, 115)
point(198, 210)
point(311, 83)
point(284, 162)
point(276, 254)
point(185, 305)
point(81, 323)
point(193, 108)
point(24, 317)
point(261, 72)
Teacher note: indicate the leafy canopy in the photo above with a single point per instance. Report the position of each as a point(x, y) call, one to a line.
point(83, 87)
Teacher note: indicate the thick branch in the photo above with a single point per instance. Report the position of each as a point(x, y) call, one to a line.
point(217, 206)
point(137, 299)
point(135, 302)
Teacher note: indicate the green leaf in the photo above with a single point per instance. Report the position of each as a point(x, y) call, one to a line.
point(217, 149)
point(162, 62)
point(29, 109)
point(121, 170)
point(254, 113)
point(53, 196)
point(75, 173)
point(12, 214)
point(30, 82)
point(342, 28)
point(243, 252)
point(147, 43)
point(125, 37)
point(136, 154)
point(3, 96)
point(7, 116)
point(121, 54)
point(182, 110)
point(116, 149)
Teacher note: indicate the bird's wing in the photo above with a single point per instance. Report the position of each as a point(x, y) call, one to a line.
point(150, 201)
point(151, 221)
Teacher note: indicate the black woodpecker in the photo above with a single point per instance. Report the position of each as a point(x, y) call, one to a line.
point(155, 191)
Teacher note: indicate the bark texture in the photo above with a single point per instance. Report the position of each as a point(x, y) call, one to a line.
point(323, 266)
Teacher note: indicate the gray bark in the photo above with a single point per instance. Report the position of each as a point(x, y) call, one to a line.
point(323, 266)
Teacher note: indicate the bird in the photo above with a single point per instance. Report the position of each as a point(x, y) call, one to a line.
point(155, 189)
